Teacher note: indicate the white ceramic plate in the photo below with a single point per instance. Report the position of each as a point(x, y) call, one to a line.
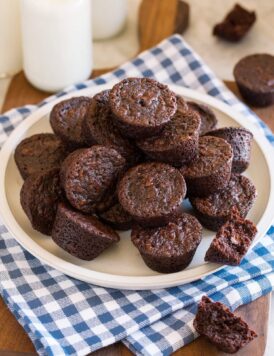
point(121, 266)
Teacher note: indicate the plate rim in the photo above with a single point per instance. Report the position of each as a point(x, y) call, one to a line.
point(117, 281)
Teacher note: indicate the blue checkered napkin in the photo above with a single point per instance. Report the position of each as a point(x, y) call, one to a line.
point(64, 316)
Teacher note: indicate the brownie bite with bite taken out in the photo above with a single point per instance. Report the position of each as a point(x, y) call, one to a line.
point(232, 240)
point(221, 327)
point(235, 25)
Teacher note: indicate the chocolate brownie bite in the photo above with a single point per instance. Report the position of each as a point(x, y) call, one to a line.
point(232, 241)
point(39, 153)
point(39, 198)
point(207, 116)
point(214, 210)
point(108, 200)
point(152, 193)
point(235, 25)
point(221, 327)
point(177, 143)
point(142, 106)
point(98, 128)
point(80, 235)
point(254, 76)
point(181, 104)
point(66, 120)
point(88, 175)
point(240, 141)
point(117, 218)
point(169, 248)
point(210, 171)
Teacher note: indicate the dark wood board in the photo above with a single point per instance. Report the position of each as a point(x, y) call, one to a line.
point(157, 20)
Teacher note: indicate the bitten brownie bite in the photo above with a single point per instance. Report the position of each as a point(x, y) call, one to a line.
point(39, 153)
point(220, 326)
point(210, 171)
point(39, 197)
point(98, 128)
point(254, 76)
point(240, 141)
point(214, 210)
point(142, 106)
point(66, 120)
point(117, 218)
point(169, 248)
point(80, 235)
point(177, 143)
point(207, 116)
point(236, 24)
point(89, 175)
point(152, 193)
point(232, 240)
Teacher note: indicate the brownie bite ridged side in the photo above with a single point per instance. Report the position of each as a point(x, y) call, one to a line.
point(240, 141)
point(39, 153)
point(80, 235)
point(232, 240)
point(98, 128)
point(177, 143)
point(39, 196)
point(214, 210)
point(142, 106)
point(152, 193)
point(88, 175)
point(220, 326)
point(169, 248)
point(207, 116)
point(210, 171)
point(254, 76)
point(66, 120)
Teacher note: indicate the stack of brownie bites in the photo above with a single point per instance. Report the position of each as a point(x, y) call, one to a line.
point(126, 159)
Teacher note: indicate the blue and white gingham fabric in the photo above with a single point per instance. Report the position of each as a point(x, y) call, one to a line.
point(64, 316)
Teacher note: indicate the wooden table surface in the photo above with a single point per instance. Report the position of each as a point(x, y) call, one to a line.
point(158, 19)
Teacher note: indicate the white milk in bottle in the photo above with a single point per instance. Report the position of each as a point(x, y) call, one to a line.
point(57, 42)
point(10, 38)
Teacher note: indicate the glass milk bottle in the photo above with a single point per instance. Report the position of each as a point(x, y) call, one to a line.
point(108, 17)
point(10, 38)
point(57, 42)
